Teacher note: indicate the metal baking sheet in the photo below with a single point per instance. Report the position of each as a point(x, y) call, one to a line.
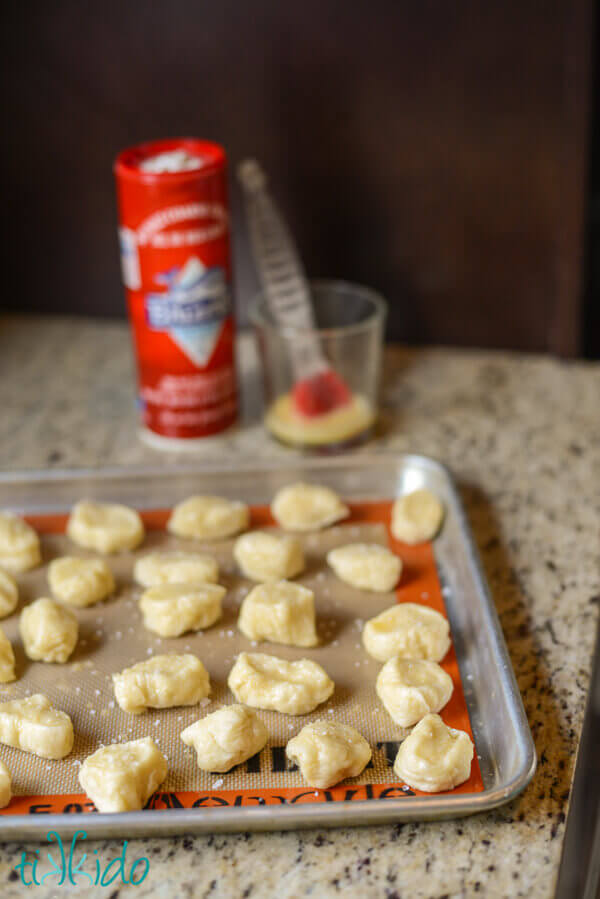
point(505, 753)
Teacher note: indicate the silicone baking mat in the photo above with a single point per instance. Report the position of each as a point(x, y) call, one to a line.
point(112, 637)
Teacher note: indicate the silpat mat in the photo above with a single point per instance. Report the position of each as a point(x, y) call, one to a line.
point(112, 637)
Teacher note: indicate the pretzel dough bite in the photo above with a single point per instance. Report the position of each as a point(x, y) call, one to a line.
point(327, 752)
point(5, 786)
point(19, 544)
point(208, 518)
point(279, 612)
point(9, 594)
point(417, 516)
point(80, 582)
point(434, 757)
point(172, 609)
point(105, 527)
point(412, 688)
point(34, 725)
point(367, 566)
point(48, 630)
point(307, 507)
point(123, 776)
point(268, 557)
point(226, 738)
point(161, 682)
point(409, 630)
point(175, 568)
point(7, 659)
point(266, 682)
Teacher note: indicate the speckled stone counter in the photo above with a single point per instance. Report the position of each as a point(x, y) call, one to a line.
point(522, 436)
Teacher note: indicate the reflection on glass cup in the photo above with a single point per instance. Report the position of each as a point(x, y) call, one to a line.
point(350, 323)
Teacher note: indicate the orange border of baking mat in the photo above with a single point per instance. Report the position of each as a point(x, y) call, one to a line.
point(419, 583)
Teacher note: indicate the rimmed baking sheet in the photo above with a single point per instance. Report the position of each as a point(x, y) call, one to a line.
point(266, 792)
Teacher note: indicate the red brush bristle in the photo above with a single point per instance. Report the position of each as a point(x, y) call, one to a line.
point(320, 394)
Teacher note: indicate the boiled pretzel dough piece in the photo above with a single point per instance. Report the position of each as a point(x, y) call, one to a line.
point(5, 786)
point(80, 582)
point(268, 557)
point(172, 609)
point(412, 688)
point(328, 752)
point(280, 612)
point(267, 682)
point(175, 568)
point(208, 518)
point(123, 776)
point(434, 757)
point(105, 527)
point(367, 566)
point(34, 725)
point(226, 738)
point(161, 682)
point(7, 659)
point(307, 507)
point(409, 630)
point(417, 516)
point(48, 631)
point(19, 544)
point(9, 594)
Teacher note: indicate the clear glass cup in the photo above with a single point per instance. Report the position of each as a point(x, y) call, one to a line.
point(350, 323)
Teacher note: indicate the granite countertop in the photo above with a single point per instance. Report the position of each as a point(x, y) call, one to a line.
point(522, 436)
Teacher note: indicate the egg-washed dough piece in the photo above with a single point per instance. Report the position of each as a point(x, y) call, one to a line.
point(268, 557)
point(7, 659)
point(412, 688)
point(409, 630)
point(105, 527)
point(123, 776)
point(434, 757)
point(161, 682)
point(208, 518)
point(267, 682)
point(417, 516)
point(9, 594)
point(367, 566)
point(226, 738)
point(5, 786)
point(172, 609)
point(280, 612)
point(307, 507)
point(48, 630)
point(175, 568)
point(34, 725)
point(19, 544)
point(80, 582)
point(327, 752)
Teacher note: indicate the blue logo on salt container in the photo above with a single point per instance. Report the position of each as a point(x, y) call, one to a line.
point(192, 308)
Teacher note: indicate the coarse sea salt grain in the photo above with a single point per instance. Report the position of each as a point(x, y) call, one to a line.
point(218, 783)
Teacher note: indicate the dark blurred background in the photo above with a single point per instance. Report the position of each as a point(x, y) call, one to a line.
point(440, 152)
